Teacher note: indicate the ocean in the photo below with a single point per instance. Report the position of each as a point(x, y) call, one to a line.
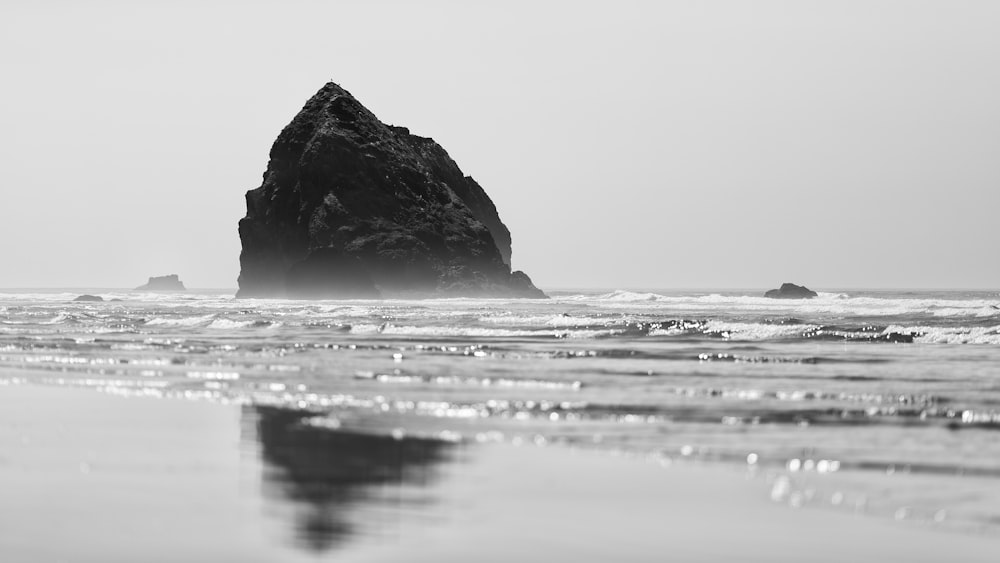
point(885, 403)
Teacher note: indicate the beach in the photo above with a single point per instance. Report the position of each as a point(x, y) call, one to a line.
point(541, 281)
point(88, 476)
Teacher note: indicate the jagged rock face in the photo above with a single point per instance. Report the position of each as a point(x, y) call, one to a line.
point(353, 208)
point(164, 283)
point(791, 291)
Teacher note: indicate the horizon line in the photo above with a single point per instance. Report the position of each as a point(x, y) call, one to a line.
point(566, 288)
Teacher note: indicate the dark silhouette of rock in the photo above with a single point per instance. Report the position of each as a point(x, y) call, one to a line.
point(85, 297)
point(331, 473)
point(163, 283)
point(352, 207)
point(791, 291)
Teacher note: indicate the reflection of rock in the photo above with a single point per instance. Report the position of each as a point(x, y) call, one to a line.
point(89, 298)
point(791, 291)
point(352, 207)
point(163, 283)
point(329, 472)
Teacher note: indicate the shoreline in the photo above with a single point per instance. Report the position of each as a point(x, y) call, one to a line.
point(94, 477)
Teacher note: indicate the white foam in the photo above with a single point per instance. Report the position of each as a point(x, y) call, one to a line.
point(475, 332)
point(565, 321)
point(225, 324)
point(180, 321)
point(39, 297)
point(619, 296)
point(755, 331)
point(676, 330)
point(949, 335)
point(439, 331)
point(59, 319)
point(839, 304)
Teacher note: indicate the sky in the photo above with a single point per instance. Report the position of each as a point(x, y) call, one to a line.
point(671, 144)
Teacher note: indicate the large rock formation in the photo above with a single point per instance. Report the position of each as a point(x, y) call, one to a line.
point(171, 282)
point(352, 207)
point(791, 291)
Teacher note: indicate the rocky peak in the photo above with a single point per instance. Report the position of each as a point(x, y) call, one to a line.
point(351, 206)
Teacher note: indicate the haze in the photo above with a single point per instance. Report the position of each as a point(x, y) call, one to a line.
point(643, 144)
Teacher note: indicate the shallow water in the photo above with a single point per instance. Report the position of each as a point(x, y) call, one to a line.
point(837, 398)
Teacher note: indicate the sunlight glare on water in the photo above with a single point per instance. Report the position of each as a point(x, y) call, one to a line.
point(832, 398)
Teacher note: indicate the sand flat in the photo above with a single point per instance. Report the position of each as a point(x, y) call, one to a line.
point(88, 476)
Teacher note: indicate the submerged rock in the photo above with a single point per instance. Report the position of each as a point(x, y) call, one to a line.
point(352, 207)
point(163, 283)
point(791, 291)
point(87, 297)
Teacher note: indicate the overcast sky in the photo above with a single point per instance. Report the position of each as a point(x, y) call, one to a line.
point(663, 144)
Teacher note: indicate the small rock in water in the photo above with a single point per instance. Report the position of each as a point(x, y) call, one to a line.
point(791, 291)
point(163, 283)
point(89, 298)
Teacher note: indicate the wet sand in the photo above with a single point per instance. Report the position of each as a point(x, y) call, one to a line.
point(86, 476)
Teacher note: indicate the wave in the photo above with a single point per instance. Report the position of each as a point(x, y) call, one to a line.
point(825, 303)
point(64, 318)
point(754, 331)
point(950, 335)
point(894, 318)
point(180, 321)
point(210, 321)
point(562, 320)
point(461, 331)
point(507, 382)
point(229, 324)
point(711, 329)
point(224, 324)
point(618, 295)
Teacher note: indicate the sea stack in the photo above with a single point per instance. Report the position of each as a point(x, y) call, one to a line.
point(353, 208)
point(163, 283)
point(791, 291)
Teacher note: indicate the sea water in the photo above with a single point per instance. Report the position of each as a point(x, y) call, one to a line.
point(882, 402)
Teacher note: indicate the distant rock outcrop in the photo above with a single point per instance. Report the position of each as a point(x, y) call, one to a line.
point(86, 297)
point(791, 291)
point(163, 283)
point(351, 207)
